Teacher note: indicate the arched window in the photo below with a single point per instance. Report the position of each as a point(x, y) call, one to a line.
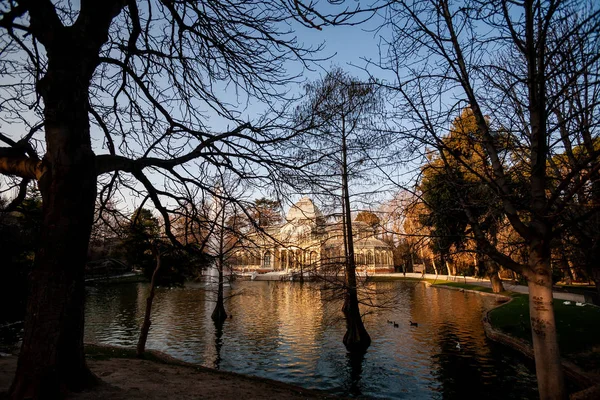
point(370, 257)
point(267, 260)
point(313, 257)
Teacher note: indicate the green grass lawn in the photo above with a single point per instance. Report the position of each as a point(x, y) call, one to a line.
point(578, 328)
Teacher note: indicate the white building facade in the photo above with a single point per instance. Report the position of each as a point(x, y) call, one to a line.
point(307, 243)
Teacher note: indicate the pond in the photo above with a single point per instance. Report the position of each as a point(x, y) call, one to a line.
point(293, 333)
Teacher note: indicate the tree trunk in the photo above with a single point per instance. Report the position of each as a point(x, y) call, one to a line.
point(433, 265)
point(574, 271)
point(495, 280)
point(497, 286)
point(548, 365)
point(356, 338)
point(566, 270)
point(219, 315)
point(52, 359)
point(596, 279)
point(450, 266)
point(141, 346)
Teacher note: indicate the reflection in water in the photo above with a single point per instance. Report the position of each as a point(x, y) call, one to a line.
point(355, 361)
point(218, 343)
point(290, 332)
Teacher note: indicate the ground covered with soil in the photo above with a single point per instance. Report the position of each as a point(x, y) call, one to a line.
point(161, 378)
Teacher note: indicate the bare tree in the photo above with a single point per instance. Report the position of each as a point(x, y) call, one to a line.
point(228, 231)
point(119, 92)
point(147, 322)
point(341, 114)
point(578, 112)
point(146, 229)
point(503, 58)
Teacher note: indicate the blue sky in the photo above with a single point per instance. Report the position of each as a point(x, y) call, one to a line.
point(345, 45)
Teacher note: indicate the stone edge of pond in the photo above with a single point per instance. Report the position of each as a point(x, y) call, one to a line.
point(459, 289)
point(588, 384)
point(159, 356)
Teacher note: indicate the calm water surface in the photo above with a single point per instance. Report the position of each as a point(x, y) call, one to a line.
point(293, 333)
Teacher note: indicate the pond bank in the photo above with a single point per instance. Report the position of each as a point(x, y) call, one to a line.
point(160, 376)
point(479, 284)
point(579, 333)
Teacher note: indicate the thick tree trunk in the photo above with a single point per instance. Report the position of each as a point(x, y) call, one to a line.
point(356, 338)
point(551, 383)
point(141, 346)
point(52, 359)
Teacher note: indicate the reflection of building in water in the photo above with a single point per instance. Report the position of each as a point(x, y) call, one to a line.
point(307, 241)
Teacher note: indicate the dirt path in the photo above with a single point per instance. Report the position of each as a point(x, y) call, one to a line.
point(140, 379)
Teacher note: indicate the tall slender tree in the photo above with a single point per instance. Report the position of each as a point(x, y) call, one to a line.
point(340, 114)
point(227, 231)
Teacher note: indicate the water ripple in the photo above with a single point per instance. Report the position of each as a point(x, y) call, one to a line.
point(293, 333)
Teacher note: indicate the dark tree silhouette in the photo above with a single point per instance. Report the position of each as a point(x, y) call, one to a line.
point(118, 92)
point(147, 322)
point(228, 231)
point(340, 115)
